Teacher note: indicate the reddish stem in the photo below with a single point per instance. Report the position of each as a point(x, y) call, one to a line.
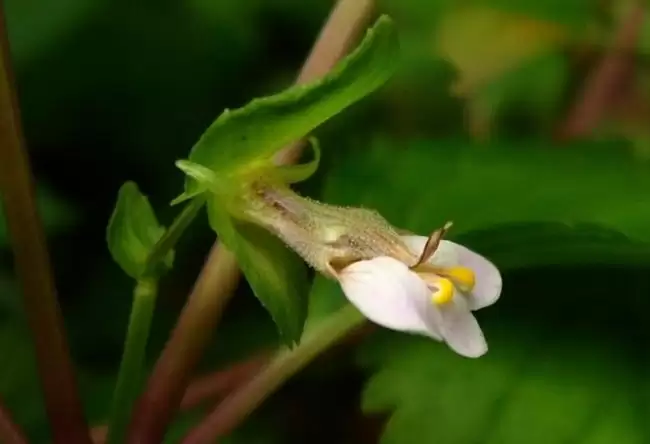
point(156, 407)
point(10, 432)
point(606, 80)
point(33, 267)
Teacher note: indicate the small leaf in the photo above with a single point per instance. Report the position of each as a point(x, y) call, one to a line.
point(276, 275)
point(297, 173)
point(264, 126)
point(202, 176)
point(132, 232)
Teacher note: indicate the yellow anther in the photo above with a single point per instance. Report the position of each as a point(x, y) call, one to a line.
point(445, 292)
point(461, 276)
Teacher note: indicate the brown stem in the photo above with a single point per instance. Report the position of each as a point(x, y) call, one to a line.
point(209, 387)
point(241, 402)
point(607, 78)
point(219, 276)
point(33, 267)
point(222, 382)
point(10, 432)
point(157, 406)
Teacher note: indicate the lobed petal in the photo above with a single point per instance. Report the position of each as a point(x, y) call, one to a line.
point(385, 290)
point(488, 279)
point(459, 328)
point(488, 285)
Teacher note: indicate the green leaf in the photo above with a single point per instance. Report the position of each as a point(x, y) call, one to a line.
point(530, 244)
point(534, 88)
point(264, 126)
point(526, 389)
point(276, 275)
point(420, 186)
point(132, 232)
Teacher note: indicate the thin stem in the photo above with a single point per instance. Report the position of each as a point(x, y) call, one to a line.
point(239, 404)
point(10, 432)
point(220, 274)
point(210, 387)
point(607, 78)
point(191, 335)
point(32, 263)
point(131, 371)
point(176, 229)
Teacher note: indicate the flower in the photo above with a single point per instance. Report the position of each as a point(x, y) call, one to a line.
point(435, 297)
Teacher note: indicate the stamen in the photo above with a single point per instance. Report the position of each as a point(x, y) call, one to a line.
point(462, 276)
point(432, 244)
point(445, 292)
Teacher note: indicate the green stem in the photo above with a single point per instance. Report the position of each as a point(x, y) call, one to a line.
point(131, 370)
point(193, 332)
point(234, 408)
point(177, 228)
point(130, 374)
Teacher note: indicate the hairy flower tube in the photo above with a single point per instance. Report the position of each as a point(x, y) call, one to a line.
point(416, 284)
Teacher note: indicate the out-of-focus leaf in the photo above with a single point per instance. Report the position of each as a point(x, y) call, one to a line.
point(421, 185)
point(36, 27)
point(534, 88)
point(277, 276)
point(526, 389)
point(264, 126)
point(55, 212)
point(574, 14)
point(132, 232)
point(484, 43)
point(532, 244)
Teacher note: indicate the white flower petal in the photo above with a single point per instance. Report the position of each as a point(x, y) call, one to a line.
point(386, 291)
point(445, 255)
point(488, 279)
point(460, 329)
point(458, 326)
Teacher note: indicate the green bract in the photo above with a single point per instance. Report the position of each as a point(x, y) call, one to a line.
point(248, 137)
point(276, 275)
point(132, 232)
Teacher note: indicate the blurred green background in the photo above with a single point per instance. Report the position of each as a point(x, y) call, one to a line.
point(114, 90)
